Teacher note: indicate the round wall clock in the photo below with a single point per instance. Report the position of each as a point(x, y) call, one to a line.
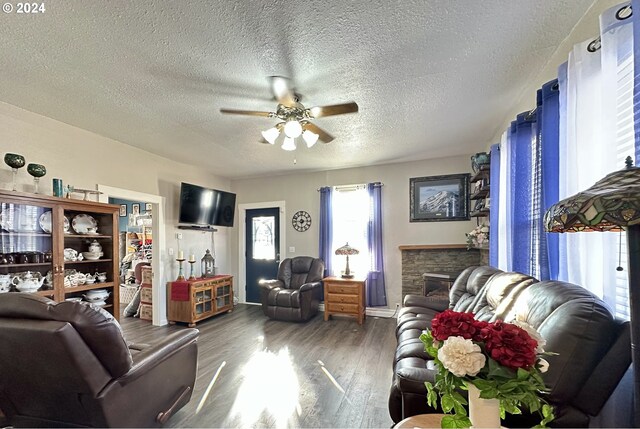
point(301, 221)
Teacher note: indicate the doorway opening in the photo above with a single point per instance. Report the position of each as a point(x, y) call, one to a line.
point(135, 251)
point(156, 204)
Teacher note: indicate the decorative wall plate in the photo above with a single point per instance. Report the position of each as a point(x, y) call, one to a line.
point(82, 222)
point(301, 221)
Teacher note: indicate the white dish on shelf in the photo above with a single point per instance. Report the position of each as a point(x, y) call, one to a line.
point(92, 256)
point(70, 254)
point(74, 299)
point(82, 222)
point(45, 222)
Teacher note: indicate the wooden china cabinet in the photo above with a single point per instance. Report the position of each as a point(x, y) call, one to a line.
point(35, 231)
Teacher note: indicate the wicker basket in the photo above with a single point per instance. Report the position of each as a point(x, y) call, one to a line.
point(127, 292)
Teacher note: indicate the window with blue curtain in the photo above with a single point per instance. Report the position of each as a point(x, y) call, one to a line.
point(526, 164)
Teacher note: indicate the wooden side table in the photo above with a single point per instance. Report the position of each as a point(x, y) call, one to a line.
point(420, 421)
point(344, 296)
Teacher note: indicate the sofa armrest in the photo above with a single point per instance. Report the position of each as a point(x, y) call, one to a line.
point(271, 284)
point(310, 286)
point(434, 303)
point(151, 355)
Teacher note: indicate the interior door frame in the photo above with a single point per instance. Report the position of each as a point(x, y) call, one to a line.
point(242, 216)
point(158, 233)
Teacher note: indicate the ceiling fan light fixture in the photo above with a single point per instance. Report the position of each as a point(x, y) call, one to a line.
point(289, 144)
point(271, 135)
point(310, 138)
point(292, 128)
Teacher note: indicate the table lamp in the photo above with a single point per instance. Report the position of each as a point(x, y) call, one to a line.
point(347, 250)
point(612, 204)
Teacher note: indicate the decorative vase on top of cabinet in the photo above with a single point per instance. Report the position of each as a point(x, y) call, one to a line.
point(48, 247)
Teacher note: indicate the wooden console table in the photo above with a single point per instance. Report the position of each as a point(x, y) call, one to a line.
point(191, 301)
point(344, 296)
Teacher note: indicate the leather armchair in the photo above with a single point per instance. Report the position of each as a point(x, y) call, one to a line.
point(68, 364)
point(295, 295)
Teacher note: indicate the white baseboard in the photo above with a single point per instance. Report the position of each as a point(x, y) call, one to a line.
point(371, 311)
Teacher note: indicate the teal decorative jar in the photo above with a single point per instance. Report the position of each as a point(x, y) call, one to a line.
point(479, 159)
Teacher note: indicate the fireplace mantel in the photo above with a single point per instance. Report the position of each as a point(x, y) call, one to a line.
point(431, 246)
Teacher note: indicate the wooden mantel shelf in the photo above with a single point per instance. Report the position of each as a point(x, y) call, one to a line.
point(431, 246)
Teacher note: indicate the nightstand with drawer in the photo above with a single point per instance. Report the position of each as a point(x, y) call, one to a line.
point(344, 296)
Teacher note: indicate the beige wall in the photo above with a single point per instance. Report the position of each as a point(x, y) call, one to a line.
point(299, 191)
point(84, 160)
point(587, 28)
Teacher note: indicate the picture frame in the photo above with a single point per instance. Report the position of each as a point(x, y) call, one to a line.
point(147, 207)
point(123, 210)
point(135, 209)
point(439, 198)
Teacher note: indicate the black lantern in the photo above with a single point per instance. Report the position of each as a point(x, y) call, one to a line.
point(208, 264)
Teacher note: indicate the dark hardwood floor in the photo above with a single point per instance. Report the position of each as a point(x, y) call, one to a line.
point(333, 374)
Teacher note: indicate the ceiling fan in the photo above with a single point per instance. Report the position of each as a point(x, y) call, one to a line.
point(295, 118)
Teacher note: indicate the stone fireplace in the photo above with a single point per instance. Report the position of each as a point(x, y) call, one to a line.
point(419, 259)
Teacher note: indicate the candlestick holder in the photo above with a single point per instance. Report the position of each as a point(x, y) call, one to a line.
point(180, 273)
point(192, 275)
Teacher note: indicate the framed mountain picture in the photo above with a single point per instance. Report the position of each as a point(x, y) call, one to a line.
point(439, 198)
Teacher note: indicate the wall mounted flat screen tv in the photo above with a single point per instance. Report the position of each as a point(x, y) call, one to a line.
point(203, 206)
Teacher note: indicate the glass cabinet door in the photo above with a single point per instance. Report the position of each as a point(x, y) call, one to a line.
point(203, 301)
point(26, 248)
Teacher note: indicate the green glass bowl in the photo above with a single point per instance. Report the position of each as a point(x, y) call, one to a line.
point(14, 160)
point(36, 170)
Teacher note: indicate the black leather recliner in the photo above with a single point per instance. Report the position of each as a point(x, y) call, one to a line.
point(295, 295)
point(67, 365)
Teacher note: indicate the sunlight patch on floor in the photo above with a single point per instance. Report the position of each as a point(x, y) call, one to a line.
point(269, 390)
point(209, 387)
point(333, 380)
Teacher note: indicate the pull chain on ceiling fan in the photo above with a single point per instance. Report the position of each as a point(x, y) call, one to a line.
point(295, 118)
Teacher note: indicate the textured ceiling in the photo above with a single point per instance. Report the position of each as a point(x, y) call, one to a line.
point(432, 78)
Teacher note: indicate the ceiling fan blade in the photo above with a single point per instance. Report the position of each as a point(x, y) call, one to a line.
point(246, 112)
point(282, 91)
point(334, 109)
point(322, 134)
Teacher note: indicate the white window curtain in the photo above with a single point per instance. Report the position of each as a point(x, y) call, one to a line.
point(596, 133)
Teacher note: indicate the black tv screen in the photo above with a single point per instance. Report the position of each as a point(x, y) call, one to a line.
point(203, 206)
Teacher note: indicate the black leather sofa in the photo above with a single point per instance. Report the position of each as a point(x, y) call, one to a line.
point(594, 348)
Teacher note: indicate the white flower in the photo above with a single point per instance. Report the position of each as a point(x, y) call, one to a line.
point(461, 357)
point(533, 334)
point(543, 364)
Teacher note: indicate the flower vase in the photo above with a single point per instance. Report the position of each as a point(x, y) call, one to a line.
point(483, 413)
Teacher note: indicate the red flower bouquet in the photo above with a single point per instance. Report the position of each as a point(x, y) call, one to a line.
point(502, 360)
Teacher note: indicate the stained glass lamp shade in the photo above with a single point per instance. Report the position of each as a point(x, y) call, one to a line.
point(612, 204)
point(347, 250)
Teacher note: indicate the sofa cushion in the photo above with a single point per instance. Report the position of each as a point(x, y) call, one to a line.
point(466, 287)
point(577, 325)
point(495, 300)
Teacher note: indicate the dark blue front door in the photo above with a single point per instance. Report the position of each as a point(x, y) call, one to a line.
point(262, 232)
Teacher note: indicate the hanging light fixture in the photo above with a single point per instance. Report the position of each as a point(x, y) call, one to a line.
point(310, 138)
point(292, 128)
point(289, 144)
point(271, 135)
